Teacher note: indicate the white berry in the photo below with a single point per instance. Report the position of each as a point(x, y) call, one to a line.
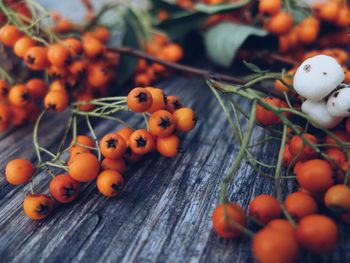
point(317, 110)
point(317, 77)
point(338, 104)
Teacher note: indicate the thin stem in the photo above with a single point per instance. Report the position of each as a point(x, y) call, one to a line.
point(35, 136)
point(236, 163)
point(94, 137)
point(278, 177)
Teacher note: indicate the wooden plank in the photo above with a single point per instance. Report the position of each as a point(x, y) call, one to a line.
point(163, 214)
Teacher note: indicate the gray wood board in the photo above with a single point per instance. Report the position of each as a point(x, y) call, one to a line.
point(164, 214)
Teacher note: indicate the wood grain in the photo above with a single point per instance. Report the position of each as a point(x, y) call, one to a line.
point(163, 214)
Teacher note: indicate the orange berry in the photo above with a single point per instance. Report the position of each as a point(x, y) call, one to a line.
point(315, 175)
point(270, 7)
point(264, 208)
point(159, 99)
point(139, 100)
point(280, 23)
point(225, 217)
point(19, 95)
point(141, 142)
point(101, 33)
point(337, 198)
point(173, 104)
point(273, 246)
point(185, 119)
point(84, 167)
point(9, 35)
point(113, 146)
point(117, 165)
point(168, 146)
point(317, 233)
point(161, 123)
point(22, 45)
point(171, 52)
point(300, 204)
point(37, 206)
point(63, 188)
point(36, 58)
point(19, 171)
point(37, 88)
point(56, 101)
point(74, 45)
point(110, 183)
point(59, 55)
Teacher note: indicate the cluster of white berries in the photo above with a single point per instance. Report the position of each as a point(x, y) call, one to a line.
point(319, 80)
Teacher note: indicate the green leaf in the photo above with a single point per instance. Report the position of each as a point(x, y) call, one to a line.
point(214, 9)
point(223, 40)
point(137, 29)
point(182, 21)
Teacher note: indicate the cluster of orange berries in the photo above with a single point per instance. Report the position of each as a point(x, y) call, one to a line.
point(306, 32)
point(167, 117)
point(279, 240)
point(79, 69)
point(162, 48)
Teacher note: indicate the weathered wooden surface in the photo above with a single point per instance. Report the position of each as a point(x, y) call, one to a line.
point(163, 214)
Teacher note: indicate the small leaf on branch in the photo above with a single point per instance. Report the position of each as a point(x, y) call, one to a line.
point(223, 40)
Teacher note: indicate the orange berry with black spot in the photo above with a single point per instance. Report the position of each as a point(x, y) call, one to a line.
point(9, 34)
point(113, 146)
point(59, 55)
point(37, 206)
point(56, 101)
point(168, 146)
point(173, 104)
point(64, 188)
point(19, 95)
point(139, 100)
point(19, 171)
point(110, 183)
point(141, 142)
point(57, 72)
point(161, 123)
point(185, 119)
point(78, 67)
point(36, 58)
